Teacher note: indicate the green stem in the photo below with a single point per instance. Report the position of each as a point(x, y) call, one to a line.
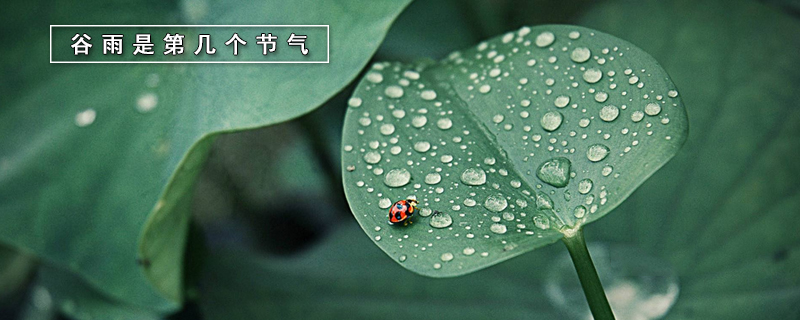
point(590, 282)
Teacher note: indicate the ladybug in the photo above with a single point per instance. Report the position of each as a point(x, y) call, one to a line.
point(402, 210)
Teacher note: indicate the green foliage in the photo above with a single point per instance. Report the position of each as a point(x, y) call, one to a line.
point(88, 164)
point(507, 145)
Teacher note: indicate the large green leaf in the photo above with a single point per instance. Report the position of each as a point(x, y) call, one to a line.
point(334, 281)
point(86, 155)
point(524, 137)
point(724, 211)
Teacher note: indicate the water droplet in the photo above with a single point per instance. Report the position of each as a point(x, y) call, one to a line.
point(428, 95)
point(85, 117)
point(411, 74)
point(422, 146)
point(446, 158)
point(637, 116)
point(652, 109)
point(402, 258)
point(441, 220)
point(473, 176)
point(579, 211)
point(592, 75)
point(672, 93)
point(394, 92)
point(562, 101)
point(555, 172)
point(425, 212)
point(485, 88)
point(387, 129)
point(545, 39)
point(372, 157)
point(419, 121)
point(543, 201)
point(444, 123)
point(597, 152)
point(433, 178)
point(494, 72)
point(397, 177)
point(609, 113)
point(468, 251)
point(437, 266)
point(551, 120)
point(399, 114)
point(541, 222)
point(498, 228)
point(447, 256)
point(584, 186)
point(146, 102)
point(385, 203)
point(354, 102)
point(581, 54)
point(374, 77)
point(498, 118)
point(496, 203)
point(607, 170)
point(601, 97)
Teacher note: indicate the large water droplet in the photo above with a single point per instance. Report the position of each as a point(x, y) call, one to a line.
point(397, 177)
point(473, 176)
point(496, 202)
point(441, 220)
point(551, 120)
point(597, 152)
point(555, 172)
point(447, 256)
point(422, 146)
point(543, 201)
point(444, 123)
point(428, 95)
point(387, 129)
point(374, 77)
point(419, 121)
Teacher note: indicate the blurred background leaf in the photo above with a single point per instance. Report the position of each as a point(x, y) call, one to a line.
point(77, 192)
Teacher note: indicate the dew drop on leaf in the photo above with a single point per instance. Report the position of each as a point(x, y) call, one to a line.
point(473, 176)
point(495, 202)
point(597, 152)
point(441, 220)
point(555, 172)
point(551, 120)
point(397, 177)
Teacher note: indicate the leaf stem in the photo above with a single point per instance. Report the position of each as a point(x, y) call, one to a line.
point(587, 274)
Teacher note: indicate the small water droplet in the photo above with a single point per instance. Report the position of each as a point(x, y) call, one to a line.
point(419, 121)
point(545, 39)
point(543, 201)
point(444, 123)
point(597, 152)
point(468, 251)
point(372, 157)
point(584, 186)
point(561, 101)
point(85, 117)
point(498, 228)
point(397, 177)
point(433, 178)
point(541, 222)
point(551, 120)
point(447, 256)
point(581, 54)
point(495, 202)
point(425, 212)
point(592, 75)
point(384, 203)
point(387, 129)
point(474, 176)
point(441, 220)
point(652, 109)
point(374, 77)
point(485, 88)
point(402, 258)
point(672, 93)
point(609, 113)
point(422, 146)
point(579, 211)
point(394, 91)
point(428, 95)
point(555, 172)
point(637, 116)
point(146, 102)
point(607, 170)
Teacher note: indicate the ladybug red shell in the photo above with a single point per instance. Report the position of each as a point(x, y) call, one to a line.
point(402, 210)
